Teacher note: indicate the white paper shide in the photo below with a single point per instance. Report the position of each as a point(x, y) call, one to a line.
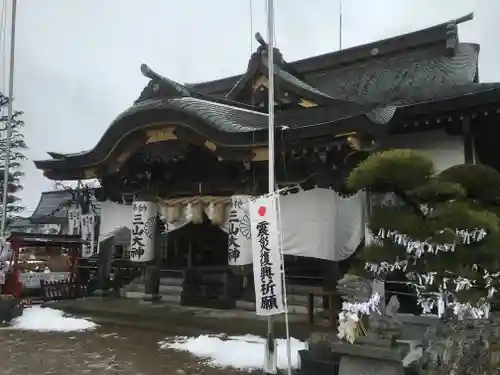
point(267, 262)
point(74, 219)
point(88, 234)
point(143, 231)
point(239, 232)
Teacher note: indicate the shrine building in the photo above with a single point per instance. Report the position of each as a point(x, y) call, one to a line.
point(178, 166)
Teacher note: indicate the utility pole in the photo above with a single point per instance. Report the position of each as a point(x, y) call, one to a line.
point(8, 134)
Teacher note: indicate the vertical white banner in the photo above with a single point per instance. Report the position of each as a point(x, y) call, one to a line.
point(143, 231)
point(74, 221)
point(239, 232)
point(267, 263)
point(88, 234)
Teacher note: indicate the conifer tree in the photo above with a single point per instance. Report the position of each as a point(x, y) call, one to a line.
point(441, 230)
point(18, 146)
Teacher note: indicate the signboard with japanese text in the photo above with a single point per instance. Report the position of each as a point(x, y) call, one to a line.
point(239, 247)
point(88, 234)
point(267, 259)
point(143, 231)
point(74, 221)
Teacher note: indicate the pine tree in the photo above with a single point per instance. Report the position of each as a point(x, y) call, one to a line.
point(441, 230)
point(18, 146)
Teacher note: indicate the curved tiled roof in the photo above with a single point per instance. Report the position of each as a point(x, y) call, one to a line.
point(443, 36)
point(369, 89)
point(225, 125)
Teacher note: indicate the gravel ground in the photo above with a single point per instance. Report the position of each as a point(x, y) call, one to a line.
point(108, 350)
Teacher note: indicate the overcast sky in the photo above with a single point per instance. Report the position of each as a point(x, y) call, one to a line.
point(77, 61)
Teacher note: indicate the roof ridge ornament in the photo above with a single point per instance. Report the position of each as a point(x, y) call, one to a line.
point(452, 32)
point(171, 87)
point(260, 39)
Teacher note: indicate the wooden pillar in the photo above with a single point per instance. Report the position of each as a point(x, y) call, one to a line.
point(190, 253)
point(469, 146)
point(152, 271)
point(332, 302)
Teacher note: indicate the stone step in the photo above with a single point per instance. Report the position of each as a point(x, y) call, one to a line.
point(164, 289)
point(302, 289)
point(140, 295)
point(250, 306)
point(302, 300)
point(166, 281)
point(295, 300)
point(174, 287)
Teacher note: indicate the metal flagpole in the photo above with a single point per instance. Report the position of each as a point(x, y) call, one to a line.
point(271, 357)
point(9, 115)
point(340, 25)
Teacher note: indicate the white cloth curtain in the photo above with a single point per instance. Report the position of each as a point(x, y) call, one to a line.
point(317, 223)
point(114, 216)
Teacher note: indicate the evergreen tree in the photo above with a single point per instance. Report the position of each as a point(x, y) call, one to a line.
point(441, 230)
point(18, 146)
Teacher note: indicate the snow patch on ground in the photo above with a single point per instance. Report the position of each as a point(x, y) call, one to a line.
point(240, 352)
point(45, 319)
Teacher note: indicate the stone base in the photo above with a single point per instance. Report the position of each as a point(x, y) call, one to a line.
point(10, 308)
point(368, 366)
point(313, 365)
point(151, 298)
point(105, 293)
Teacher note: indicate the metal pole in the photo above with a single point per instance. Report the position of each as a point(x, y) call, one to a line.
point(271, 356)
point(340, 25)
point(10, 114)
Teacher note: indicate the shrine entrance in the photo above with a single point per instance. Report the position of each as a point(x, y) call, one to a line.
point(194, 245)
point(200, 251)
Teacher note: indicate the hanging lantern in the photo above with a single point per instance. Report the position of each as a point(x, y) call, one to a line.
point(218, 213)
point(197, 212)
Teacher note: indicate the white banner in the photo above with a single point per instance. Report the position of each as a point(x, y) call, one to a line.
point(88, 234)
point(267, 260)
point(143, 231)
point(239, 246)
point(74, 221)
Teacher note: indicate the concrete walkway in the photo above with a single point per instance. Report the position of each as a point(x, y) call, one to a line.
point(169, 317)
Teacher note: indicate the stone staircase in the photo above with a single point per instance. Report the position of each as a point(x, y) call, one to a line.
point(171, 288)
point(297, 297)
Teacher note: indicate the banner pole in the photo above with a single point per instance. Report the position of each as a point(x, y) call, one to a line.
point(270, 365)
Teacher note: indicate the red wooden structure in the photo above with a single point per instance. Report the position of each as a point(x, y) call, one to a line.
point(18, 240)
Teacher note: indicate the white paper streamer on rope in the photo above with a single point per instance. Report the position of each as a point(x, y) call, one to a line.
point(88, 234)
point(74, 221)
point(352, 312)
point(418, 248)
point(267, 262)
point(423, 280)
point(385, 267)
point(356, 309)
point(143, 231)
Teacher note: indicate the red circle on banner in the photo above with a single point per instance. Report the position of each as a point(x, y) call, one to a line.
point(262, 211)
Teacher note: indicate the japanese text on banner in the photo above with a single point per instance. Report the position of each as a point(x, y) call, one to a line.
point(143, 231)
point(88, 233)
point(74, 221)
point(239, 245)
point(267, 260)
